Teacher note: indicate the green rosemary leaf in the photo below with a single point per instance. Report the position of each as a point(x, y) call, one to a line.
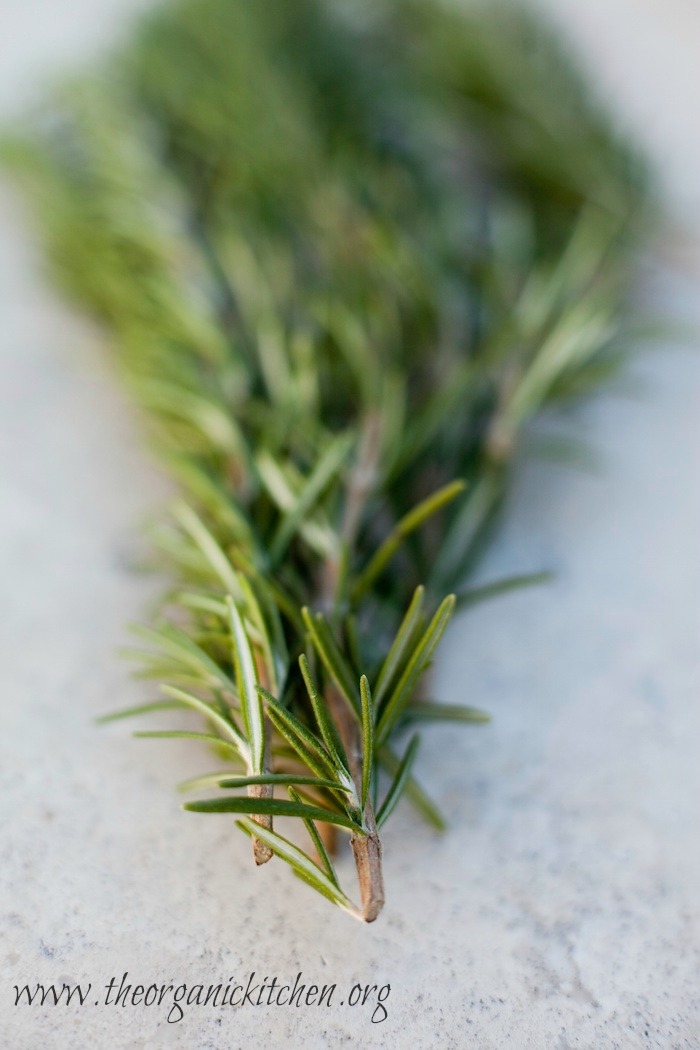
point(210, 549)
point(138, 709)
point(205, 414)
point(498, 587)
point(461, 541)
point(274, 807)
point(265, 614)
point(331, 657)
point(402, 644)
point(247, 681)
point(258, 633)
point(306, 745)
point(425, 428)
point(367, 738)
point(329, 733)
point(200, 783)
point(226, 780)
point(180, 646)
point(301, 864)
point(399, 782)
point(226, 725)
point(181, 734)
point(420, 658)
point(413, 791)
point(279, 599)
point(408, 524)
point(327, 468)
point(321, 850)
point(337, 800)
point(212, 496)
point(201, 602)
point(166, 672)
point(352, 638)
point(316, 533)
point(434, 712)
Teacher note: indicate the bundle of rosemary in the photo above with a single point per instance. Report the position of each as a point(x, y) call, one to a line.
point(345, 251)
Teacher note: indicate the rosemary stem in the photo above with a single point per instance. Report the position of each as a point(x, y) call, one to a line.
point(366, 848)
point(261, 851)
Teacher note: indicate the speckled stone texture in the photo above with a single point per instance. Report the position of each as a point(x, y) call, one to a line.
point(561, 909)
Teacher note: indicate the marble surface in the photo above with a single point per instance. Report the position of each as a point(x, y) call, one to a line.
point(561, 910)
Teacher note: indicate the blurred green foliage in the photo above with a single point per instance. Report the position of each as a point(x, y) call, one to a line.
point(345, 252)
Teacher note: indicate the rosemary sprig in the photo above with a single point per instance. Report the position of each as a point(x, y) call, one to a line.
point(344, 254)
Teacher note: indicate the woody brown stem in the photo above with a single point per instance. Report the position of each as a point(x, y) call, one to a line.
point(261, 851)
point(366, 848)
point(367, 851)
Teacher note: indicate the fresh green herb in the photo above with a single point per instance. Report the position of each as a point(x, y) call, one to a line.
point(345, 252)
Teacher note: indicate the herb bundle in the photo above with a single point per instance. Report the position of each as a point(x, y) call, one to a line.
point(344, 253)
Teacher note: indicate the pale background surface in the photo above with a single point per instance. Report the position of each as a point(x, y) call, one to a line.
point(561, 910)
